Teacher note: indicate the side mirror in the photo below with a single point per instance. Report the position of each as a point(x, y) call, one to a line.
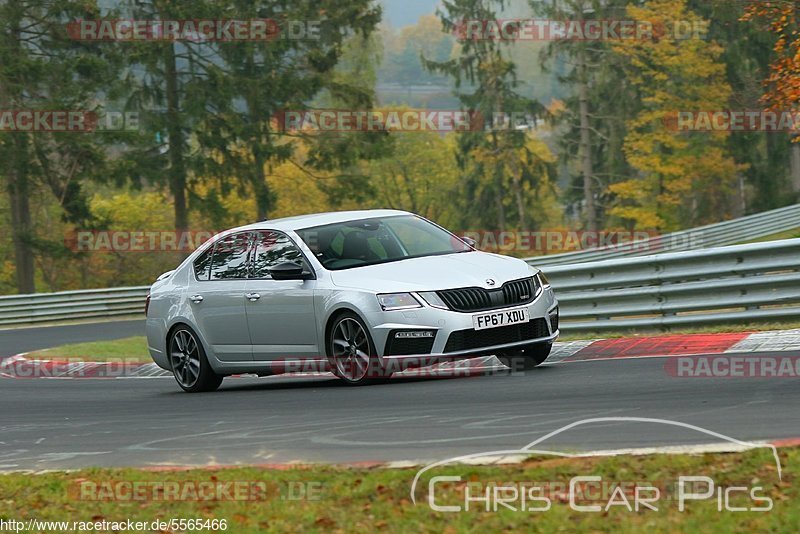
point(288, 270)
point(469, 241)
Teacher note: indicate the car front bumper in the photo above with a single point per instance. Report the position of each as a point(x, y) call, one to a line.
point(453, 334)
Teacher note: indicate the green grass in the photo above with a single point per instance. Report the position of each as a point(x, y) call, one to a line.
point(788, 234)
point(131, 349)
point(327, 498)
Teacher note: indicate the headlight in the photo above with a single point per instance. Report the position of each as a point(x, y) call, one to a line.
point(432, 298)
point(398, 301)
point(543, 279)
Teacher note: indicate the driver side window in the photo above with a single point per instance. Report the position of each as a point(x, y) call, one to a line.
point(272, 248)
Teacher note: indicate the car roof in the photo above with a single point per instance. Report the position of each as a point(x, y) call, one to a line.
point(298, 222)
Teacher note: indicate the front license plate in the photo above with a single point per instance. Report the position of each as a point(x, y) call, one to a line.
point(484, 321)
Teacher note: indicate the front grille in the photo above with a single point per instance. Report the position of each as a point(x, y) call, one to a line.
point(410, 346)
point(476, 339)
point(472, 299)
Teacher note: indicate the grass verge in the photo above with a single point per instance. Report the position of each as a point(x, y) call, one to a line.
point(327, 498)
point(130, 349)
point(787, 234)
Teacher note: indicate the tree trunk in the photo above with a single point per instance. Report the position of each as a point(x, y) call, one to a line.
point(519, 197)
point(22, 229)
point(795, 166)
point(177, 167)
point(587, 166)
point(501, 210)
point(260, 187)
point(17, 185)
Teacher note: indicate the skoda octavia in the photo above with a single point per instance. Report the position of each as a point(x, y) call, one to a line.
point(362, 294)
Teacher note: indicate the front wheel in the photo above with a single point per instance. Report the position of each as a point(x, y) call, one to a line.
point(528, 358)
point(189, 363)
point(352, 353)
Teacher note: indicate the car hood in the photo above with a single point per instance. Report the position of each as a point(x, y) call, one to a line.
point(471, 269)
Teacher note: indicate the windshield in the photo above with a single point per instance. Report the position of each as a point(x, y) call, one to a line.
point(378, 240)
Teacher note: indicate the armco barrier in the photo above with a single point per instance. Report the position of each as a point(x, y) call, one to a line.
point(714, 235)
point(736, 284)
point(68, 305)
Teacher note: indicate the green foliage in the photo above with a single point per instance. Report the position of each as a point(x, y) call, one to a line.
point(486, 85)
point(682, 178)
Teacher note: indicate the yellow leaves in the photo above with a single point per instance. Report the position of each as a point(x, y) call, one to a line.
point(556, 107)
point(131, 211)
point(672, 76)
point(297, 192)
point(783, 83)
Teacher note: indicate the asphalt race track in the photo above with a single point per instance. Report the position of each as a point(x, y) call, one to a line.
point(48, 424)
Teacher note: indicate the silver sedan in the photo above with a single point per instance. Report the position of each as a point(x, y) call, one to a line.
point(362, 294)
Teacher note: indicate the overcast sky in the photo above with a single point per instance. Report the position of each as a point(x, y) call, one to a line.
point(405, 12)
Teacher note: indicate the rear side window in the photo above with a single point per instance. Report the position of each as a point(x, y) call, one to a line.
point(202, 265)
point(229, 260)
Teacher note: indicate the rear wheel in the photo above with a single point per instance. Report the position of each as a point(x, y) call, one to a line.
point(189, 363)
point(352, 353)
point(528, 358)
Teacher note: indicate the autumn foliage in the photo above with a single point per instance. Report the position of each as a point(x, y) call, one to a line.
point(783, 20)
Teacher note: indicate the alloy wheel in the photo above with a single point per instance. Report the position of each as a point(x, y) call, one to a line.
point(185, 358)
point(351, 350)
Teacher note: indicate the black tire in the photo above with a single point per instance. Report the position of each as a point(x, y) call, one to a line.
point(189, 363)
point(351, 352)
point(525, 360)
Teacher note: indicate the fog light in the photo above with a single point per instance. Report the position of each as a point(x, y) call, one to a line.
point(554, 320)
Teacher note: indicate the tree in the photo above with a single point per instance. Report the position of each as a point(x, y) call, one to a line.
point(420, 177)
point(597, 107)
point(683, 179)
point(747, 51)
point(41, 68)
point(171, 83)
point(783, 83)
point(262, 78)
point(486, 85)
point(401, 62)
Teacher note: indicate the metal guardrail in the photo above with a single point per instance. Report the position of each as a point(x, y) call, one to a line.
point(68, 305)
point(713, 235)
point(737, 284)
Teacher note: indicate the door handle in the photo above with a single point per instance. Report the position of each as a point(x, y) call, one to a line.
point(252, 297)
point(197, 299)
